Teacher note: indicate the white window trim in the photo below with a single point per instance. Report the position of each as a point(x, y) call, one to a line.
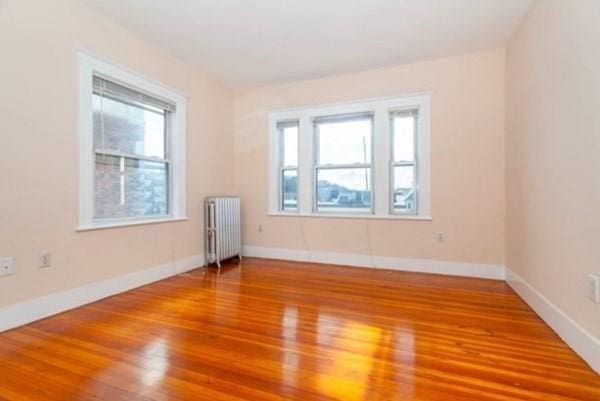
point(88, 66)
point(382, 142)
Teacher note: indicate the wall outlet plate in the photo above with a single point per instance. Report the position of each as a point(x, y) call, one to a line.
point(45, 260)
point(594, 281)
point(6, 266)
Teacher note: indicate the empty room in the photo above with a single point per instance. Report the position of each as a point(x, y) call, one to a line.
point(328, 200)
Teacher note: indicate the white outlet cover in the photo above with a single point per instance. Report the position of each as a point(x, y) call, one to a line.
point(6, 266)
point(45, 260)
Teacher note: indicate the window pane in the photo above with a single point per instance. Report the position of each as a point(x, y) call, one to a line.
point(128, 128)
point(344, 190)
point(404, 137)
point(290, 190)
point(130, 188)
point(290, 145)
point(345, 142)
point(404, 189)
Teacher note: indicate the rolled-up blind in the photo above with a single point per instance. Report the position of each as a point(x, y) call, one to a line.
point(412, 112)
point(122, 93)
point(343, 117)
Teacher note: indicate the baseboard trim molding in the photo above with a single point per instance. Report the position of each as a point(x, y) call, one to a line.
point(35, 309)
point(380, 262)
point(581, 341)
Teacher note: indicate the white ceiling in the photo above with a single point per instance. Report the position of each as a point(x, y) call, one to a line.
point(247, 43)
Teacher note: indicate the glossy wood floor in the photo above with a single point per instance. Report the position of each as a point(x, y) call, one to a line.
point(272, 330)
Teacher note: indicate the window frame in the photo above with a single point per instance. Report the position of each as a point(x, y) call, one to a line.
point(90, 66)
point(318, 166)
point(381, 157)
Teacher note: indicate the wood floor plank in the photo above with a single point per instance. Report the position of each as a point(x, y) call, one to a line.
point(273, 330)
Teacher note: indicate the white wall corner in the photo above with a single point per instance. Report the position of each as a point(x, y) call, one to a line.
point(465, 269)
point(582, 342)
point(35, 309)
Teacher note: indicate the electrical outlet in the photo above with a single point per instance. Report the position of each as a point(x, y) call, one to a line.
point(594, 288)
point(439, 236)
point(6, 266)
point(45, 260)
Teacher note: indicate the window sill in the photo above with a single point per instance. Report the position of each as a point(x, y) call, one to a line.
point(101, 226)
point(352, 216)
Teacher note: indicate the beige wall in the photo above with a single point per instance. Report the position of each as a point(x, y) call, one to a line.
point(39, 153)
point(467, 168)
point(553, 154)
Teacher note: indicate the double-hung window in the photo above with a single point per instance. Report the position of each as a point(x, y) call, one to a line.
point(343, 163)
point(403, 125)
point(132, 161)
point(131, 148)
point(288, 140)
point(359, 159)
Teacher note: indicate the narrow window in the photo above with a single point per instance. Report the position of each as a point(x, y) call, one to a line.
point(343, 165)
point(132, 166)
point(288, 167)
point(404, 161)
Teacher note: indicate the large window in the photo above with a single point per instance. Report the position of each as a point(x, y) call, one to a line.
point(131, 148)
point(363, 159)
point(343, 163)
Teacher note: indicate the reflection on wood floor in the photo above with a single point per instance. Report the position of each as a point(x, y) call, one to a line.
point(273, 330)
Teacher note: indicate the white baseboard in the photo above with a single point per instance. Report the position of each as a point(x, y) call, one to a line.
point(380, 262)
point(582, 342)
point(29, 311)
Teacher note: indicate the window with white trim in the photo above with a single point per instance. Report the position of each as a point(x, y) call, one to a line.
point(131, 139)
point(288, 179)
point(403, 125)
point(343, 163)
point(361, 159)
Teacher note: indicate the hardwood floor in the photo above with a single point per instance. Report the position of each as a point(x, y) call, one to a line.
point(273, 330)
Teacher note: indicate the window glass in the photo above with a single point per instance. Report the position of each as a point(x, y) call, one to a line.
point(404, 137)
point(344, 141)
point(404, 189)
point(344, 189)
point(127, 128)
point(126, 187)
point(290, 190)
point(290, 145)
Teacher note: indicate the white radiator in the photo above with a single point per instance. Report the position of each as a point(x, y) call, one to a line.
point(223, 237)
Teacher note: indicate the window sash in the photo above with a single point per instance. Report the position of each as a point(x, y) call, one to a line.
point(281, 126)
point(169, 169)
point(412, 112)
point(166, 131)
